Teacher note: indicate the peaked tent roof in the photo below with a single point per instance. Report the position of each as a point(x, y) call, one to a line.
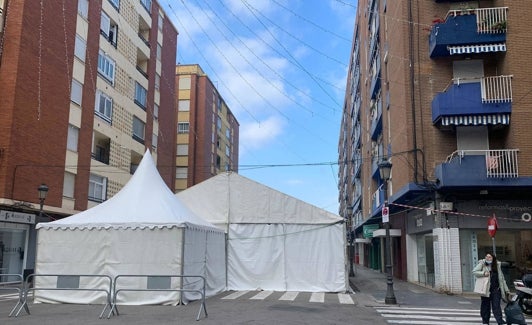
point(232, 198)
point(144, 202)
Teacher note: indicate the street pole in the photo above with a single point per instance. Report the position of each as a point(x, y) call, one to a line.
point(351, 254)
point(385, 169)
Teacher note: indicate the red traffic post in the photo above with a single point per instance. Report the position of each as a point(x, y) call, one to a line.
point(492, 226)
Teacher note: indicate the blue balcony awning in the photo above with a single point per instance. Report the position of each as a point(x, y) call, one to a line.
point(481, 48)
point(476, 119)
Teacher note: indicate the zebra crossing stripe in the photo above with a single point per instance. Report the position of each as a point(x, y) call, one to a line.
point(235, 295)
point(345, 299)
point(262, 295)
point(317, 297)
point(289, 295)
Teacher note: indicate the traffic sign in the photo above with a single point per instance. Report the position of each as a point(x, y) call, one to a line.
point(385, 214)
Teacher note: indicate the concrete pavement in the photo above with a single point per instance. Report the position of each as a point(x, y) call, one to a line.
point(370, 287)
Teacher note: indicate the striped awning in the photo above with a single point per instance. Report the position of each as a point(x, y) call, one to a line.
point(477, 48)
point(476, 119)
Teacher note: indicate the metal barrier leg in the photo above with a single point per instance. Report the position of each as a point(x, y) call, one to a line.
point(113, 310)
point(202, 307)
point(19, 301)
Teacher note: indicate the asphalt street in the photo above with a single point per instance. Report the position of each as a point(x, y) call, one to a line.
point(363, 306)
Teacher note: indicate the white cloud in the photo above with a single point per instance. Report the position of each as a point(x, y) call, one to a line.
point(255, 135)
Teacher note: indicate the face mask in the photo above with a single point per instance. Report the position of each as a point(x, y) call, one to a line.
point(488, 262)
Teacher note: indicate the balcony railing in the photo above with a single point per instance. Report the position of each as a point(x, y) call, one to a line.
point(499, 163)
point(469, 31)
point(496, 89)
point(479, 101)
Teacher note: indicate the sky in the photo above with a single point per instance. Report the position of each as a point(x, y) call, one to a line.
point(281, 67)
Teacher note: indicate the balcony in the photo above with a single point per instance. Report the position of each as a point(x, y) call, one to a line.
point(377, 199)
point(376, 120)
point(375, 86)
point(480, 168)
point(485, 101)
point(469, 31)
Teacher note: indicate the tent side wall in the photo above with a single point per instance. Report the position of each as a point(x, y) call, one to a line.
point(286, 257)
point(204, 255)
point(110, 252)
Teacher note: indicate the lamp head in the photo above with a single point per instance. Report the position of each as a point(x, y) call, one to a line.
point(43, 191)
point(385, 169)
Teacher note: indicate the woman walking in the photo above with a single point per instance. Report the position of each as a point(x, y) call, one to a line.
point(490, 267)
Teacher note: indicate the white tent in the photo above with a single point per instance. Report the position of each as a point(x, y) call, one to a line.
point(275, 241)
point(142, 230)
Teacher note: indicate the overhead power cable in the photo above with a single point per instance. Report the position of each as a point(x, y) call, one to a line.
point(255, 13)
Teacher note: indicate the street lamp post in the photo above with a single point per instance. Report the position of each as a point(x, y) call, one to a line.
point(43, 191)
point(385, 169)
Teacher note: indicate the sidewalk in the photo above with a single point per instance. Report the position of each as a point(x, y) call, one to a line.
point(370, 290)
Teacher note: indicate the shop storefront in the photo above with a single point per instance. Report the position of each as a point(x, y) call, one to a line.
point(467, 225)
point(14, 240)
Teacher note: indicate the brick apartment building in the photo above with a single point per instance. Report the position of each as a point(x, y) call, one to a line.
point(208, 132)
point(86, 88)
point(441, 89)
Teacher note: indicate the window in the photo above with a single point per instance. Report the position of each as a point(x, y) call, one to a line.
point(83, 8)
point(104, 106)
point(182, 149)
point(106, 67)
point(218, 123)
point(108, 28)
point(80, 48)
point(155, 111)
point(115, 3)
point(138, 129)
point(72, 138)
point(146, 4)
point(182, 127)
point(160, 22)
point(141, 95)
point(76, 92)
point(218, 162)
point(154, 141)
point(157, 81)
point(159, 51)
point(68, 185)
point(184, 82)
point(228, 133)
point(97, 188)
point(219, 103)
point(181, 172)
point(227, 151)
point(184, 105)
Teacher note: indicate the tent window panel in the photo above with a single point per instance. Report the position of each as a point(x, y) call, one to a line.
point(97, 188)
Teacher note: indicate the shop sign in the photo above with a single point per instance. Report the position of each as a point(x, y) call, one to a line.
point(367, 230)
point(19, 217)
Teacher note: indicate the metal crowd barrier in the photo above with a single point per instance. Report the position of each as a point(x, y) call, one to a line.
point(16, 284)
point(68, 282)
point(162, 285)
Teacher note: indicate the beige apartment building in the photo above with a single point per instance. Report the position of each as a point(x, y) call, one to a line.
point(441, 90)
point(86, 88)
point(207, 130)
